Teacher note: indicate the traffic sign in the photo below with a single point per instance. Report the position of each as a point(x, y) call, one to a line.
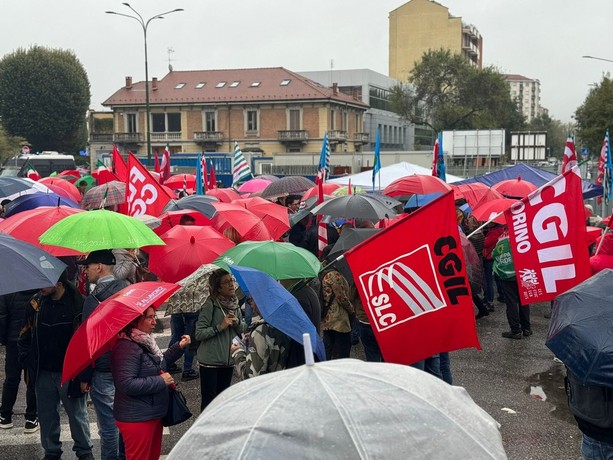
point(25, 149)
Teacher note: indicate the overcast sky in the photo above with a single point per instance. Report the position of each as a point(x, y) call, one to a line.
point(542, 39)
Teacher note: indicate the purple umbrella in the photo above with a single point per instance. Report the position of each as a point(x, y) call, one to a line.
point(35, 200)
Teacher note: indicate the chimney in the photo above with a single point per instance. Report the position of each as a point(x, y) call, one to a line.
point(128, 82)
point(154, 83)
point(334, 89)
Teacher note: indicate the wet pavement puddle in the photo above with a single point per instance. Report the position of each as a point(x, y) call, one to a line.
point(548, 387)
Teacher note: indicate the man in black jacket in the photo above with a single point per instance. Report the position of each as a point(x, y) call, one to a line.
point(12, 313)
point(98, 381)
point(54, 315)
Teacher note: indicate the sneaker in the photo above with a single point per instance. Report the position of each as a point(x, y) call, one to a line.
point(511, 335)
point(31, 426)
point(547, 314)
point(173, 369)
point(6, 423)
point(527, 332)
point(189, 375)
point(489, 307)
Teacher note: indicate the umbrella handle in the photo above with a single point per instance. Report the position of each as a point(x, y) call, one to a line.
point(308, 349)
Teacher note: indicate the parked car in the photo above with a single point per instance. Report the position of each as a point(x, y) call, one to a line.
point(44, 163)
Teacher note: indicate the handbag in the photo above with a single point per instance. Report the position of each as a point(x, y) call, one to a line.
point(177, 412)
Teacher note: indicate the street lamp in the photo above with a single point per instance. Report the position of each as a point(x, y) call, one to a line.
point(597, 58)
point(145, 24)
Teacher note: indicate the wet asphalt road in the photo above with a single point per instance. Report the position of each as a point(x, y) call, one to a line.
point(499, 376)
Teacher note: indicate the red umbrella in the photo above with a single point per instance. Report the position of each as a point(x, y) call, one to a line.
point(488, 210)
point(70, 173)
point(475, 193)
point(187, 247)
point(249, 226)
point(416, 184)
point(171, 219)
point(514, 188)
point(99, 331)
point(29, 225)
point(63, 188)
point(328, 189)
point(69, 177)
point(225, 195)
point(176, 182)
point(274, 216)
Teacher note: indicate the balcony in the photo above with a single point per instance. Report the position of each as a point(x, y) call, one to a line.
point(166, 136)
point(128, 138)
point(337, 135)
point(361, 138)
point(208, 137)
point(101, 138)
point(293, 135)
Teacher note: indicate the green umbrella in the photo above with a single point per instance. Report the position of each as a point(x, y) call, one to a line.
point(100, 229)
point(89, 179)
point(280, 260)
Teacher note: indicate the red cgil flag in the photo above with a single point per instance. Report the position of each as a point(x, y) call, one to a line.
point(570, 156)
point(165, 166)
point(435, 156)
point(212, 180)
point(156, 163)
point(144, 195)
point(547, 235)
point(415, 290)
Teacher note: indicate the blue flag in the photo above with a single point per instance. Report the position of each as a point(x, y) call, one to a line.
point(324, 157)
point(440, 164)
point(377, 163)
point(199, 182)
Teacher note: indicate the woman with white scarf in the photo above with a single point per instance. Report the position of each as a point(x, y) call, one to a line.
point(220, 320)
point(141, 386)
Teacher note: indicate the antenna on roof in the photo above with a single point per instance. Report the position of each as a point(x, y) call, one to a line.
point(170, 51)
point(331, 67)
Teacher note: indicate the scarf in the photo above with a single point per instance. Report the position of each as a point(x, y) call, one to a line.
point(148, 343)
point(228, 303)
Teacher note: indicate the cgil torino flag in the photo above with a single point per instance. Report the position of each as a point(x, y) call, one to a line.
point(414, 287)
point(547, 235)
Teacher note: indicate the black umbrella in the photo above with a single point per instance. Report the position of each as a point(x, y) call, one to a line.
point(581, 329)
point(349, 238)
point(11, 187)
point(352, 206)
point(200, 203)
point(26, 266)
point(286, 186)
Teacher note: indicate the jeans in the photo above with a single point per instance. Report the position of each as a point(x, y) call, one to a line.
point(10, 387)
point(49, 394)
point(518, 316)
point(338, 344)
point(592, 449)
point(183, 324)
point(446, 367)
point(369, 342)
point(355, 332)
point(102, 392)
point(432, 366)
point(213, 380)
point(488, 275)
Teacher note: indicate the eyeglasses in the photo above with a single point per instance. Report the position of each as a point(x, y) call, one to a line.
point(227, 283)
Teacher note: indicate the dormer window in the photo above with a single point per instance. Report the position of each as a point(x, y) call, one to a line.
point(221, 84)
point(234, 84)
point(200, 85)
point(180, 85)
point(255, 84)
point(285, 82)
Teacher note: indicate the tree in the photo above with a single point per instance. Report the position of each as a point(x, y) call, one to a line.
point(595, 115)
point(445, 92)
point(44, 96)
point(9, 145)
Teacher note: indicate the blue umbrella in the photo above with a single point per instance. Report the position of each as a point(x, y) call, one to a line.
point(35, 200)
point(415, 201)
point(26, 266)
point(278, 307)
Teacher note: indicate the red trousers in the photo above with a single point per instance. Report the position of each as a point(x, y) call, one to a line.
point(143, 440)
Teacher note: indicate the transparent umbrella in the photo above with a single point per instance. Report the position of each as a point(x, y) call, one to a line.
point(343, 409)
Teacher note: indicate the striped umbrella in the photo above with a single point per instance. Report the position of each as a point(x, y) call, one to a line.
point(109, 194)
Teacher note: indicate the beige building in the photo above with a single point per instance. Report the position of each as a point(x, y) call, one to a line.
point(526, 93)
point(266, 110)
point(422, 25)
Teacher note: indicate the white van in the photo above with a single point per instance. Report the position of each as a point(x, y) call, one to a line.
point(45, 163)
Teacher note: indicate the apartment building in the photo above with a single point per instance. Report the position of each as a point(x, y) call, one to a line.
point(265, 110)
point(422, 25)
point(526, 92)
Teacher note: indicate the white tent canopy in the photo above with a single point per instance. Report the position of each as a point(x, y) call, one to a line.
point(387, 175)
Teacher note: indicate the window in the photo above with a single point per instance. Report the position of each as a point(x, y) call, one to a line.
point(200, 85)
point(294, 119)
point(210, 121)
point(345, 121)
point(234, 84)
point(358, 123)
point(255, 84)
point(285, 82)
point(131, 125)
point(221, 84)
point(180, 85)
point(252, 120)
point(332, 119)
point(165, 122)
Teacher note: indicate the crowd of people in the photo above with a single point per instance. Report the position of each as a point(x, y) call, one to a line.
point(225, 335)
